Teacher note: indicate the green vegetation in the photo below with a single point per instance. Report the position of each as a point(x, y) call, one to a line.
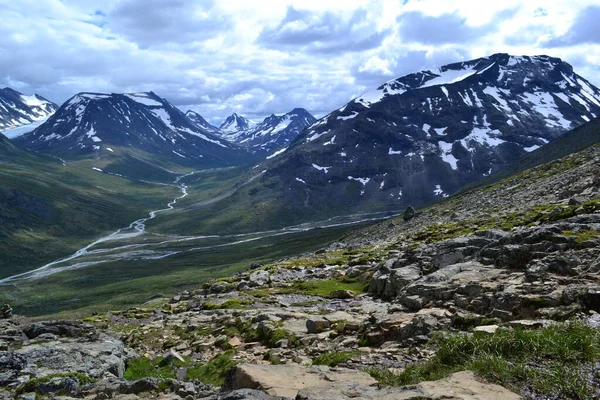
point(144, 367)
point(324, 288)
point(213, 372)
point(118, 285)
point(31, 385)
point(230, 304)
point(549, 360)
point(49, 210)
point(334, 358)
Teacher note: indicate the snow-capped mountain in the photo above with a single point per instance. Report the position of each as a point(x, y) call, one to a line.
point(201, 122)
point(97, 123)
point(17, 109)
point(275, 132)
point(233, 126)
point(421, 137)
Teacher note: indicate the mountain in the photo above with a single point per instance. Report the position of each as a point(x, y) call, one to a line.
point(201, 122)
point(6, 147)
point(96, 124)
point(275, 132)
point(233, 125)
point(421, 137)
point(17, 109)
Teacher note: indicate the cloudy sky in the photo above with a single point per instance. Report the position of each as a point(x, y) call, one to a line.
point(258, 57)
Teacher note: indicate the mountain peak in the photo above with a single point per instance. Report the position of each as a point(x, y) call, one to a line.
point(235, 123)
point(18, 109)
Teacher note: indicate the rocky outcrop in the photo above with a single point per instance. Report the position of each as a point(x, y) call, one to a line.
point(323, 383)
point(496, 273)
point(287, 380)
point(58, 350)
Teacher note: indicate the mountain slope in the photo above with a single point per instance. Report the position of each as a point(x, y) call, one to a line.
point(375, 156)
point(139, 124)
point(201, 122)
point(50, 208)
point(17, 109)
point(275, 132)
point(421, 137)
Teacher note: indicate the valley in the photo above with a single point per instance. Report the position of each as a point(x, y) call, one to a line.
point(439, 231)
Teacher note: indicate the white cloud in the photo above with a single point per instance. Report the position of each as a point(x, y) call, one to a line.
point(262, 57)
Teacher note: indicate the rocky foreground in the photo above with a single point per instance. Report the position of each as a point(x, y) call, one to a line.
point(512, 269)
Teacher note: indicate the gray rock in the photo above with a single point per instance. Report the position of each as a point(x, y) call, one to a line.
point(409, 213)
point(316, 325)
point(91, 357)
point(246, 394)
point(259, 278)
point(73, 329)
point(6, 312)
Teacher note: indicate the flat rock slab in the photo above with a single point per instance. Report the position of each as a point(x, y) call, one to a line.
point(287, 380)
point(458, 386)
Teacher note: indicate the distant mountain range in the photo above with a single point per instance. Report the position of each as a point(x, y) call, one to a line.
point(97, 124)
point(273, 134)
point(17, 109)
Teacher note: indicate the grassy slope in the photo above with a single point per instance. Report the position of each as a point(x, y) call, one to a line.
point(117, 285)
point(49, 210)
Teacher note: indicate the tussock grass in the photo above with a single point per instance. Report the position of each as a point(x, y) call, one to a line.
point(547, 361)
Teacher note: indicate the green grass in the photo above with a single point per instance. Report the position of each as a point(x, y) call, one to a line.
point(334, 358)
point(31, 385)
point(49, 210)
point(230, 304)
point(546, 360)
point(324, 288)
point(144, 367)
point(118, 285)
point(213, 372)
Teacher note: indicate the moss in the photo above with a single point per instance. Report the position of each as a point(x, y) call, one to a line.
point(214, 371)
point(324, 288)
point(334, 358)
point(144, 367)
point(230, 304)
point(32, 384)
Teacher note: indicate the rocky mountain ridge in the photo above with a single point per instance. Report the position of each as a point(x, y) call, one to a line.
point(421, 137)
point(92, 124)
point(201, 122)
point(272, 135)
point(500, 267)
point(17, 109)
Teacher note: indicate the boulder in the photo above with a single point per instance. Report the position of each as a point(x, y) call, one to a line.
point(487, 329)
point(458, 386)
point(317, 325)
point(409, 213)
point(287, 380)
point(259, 278)
point(71, 329)
point(6, 312)
point(91, 357)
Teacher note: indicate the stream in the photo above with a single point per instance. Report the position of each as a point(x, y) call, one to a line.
point(120, 246)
